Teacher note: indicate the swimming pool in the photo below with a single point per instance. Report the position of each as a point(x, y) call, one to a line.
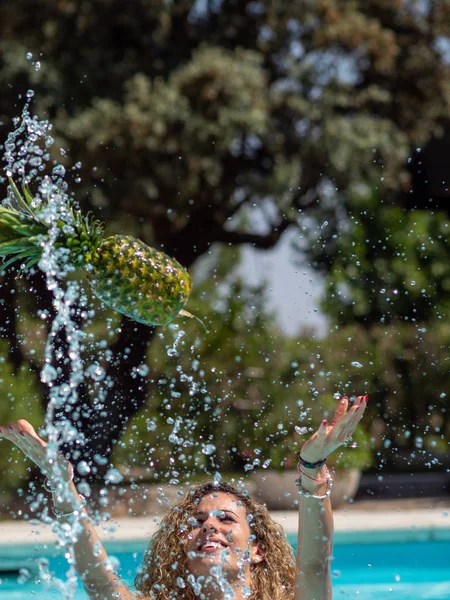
point(410, 570)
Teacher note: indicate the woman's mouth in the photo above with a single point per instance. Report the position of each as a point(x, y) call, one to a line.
point(212, 546)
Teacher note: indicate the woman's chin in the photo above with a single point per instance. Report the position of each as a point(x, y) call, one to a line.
point(201, 565)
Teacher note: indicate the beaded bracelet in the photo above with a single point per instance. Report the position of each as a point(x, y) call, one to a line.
point(314, 478)
point(72, 513)
point(55, 489)
point(76, 512)
point(306, 494)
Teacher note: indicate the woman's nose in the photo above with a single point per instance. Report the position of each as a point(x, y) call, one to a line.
point(208, 526)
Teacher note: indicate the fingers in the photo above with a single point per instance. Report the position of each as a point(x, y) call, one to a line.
point(340, 410)
point(345, 425)
point(359, 410)
point(22, 434)
point(11, 432)
point(355, 415)
point(15, 431)
point(359, 406)
point(4, 434)
point(28, 431)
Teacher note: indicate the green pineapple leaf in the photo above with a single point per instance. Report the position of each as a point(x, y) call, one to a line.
point(23, 204)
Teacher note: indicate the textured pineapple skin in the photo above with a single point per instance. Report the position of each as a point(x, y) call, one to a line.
point(137, 280)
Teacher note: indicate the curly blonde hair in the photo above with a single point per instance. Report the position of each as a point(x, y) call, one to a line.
point(164, 573)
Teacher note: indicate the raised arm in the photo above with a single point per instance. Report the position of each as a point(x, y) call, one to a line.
point(99, 578)
point(315, 531)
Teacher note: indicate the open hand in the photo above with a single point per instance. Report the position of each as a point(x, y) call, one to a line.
point(24, 436)
point(333, 434)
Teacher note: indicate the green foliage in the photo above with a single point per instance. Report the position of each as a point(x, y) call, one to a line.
point(389, 265)
point(390, 283)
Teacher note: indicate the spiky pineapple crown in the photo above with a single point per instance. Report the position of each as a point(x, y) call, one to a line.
point(23, 229)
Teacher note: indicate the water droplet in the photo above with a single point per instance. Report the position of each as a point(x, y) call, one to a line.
point(208, 449)
point(357, 364)
point(143, 370)
point(30, 93)
point(35, 161)
point(113, 476)
point(301, 430)
point(336, 573)
point(37, 66)
point(100, 460)
point(151, 425)
point(48, 373)
point(24, 576)
point(58, 171)
point(96, 372)
point(84, 488)
point(217, 478)
point(324, 224)
point(83, 468)
point(29, 56)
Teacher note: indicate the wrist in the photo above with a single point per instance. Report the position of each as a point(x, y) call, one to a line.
point(318, 473)
point(65, 498)
point(314, 480)
point(312, 488)
point(316, 489)
point(309, 463)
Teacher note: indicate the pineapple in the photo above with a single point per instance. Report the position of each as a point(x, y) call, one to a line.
point(126, 274)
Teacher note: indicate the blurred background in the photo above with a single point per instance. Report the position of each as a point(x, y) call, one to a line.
point(295, 156)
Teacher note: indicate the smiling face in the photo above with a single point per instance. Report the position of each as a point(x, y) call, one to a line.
point(221, 535)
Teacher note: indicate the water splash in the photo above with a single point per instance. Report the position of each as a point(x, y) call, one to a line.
point(27, 153)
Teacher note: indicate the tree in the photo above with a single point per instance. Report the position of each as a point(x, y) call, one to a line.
point(391, 265)
point(185, 118)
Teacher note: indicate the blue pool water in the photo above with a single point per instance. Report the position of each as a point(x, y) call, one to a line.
point(408, 570)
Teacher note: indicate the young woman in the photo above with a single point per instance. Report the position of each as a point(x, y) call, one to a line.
point(216, 543)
